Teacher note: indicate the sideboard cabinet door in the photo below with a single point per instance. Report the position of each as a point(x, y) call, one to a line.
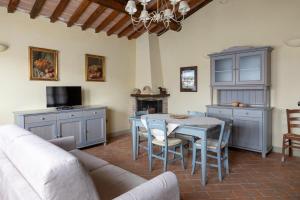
point(71, 127)
point(223, 70)
point(45, 130)
point(247, 133)
point(95, 130)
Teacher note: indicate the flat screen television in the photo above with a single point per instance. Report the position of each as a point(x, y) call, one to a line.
point(63, 97)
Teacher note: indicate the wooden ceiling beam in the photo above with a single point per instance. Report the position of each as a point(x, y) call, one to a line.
point(118, 25)
point(12, 6)
point(76, 15)
point(59, 10)
point(126, 30)
point(36, 9)
point(138, 33)
point(107, 21)
point(93, 17)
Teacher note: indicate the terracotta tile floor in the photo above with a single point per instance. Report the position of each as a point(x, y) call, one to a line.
point(251, 176)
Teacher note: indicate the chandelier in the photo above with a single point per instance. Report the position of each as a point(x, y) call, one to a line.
point(163, 14)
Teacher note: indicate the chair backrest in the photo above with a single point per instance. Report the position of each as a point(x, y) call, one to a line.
point(157, 124)
point(293, 119)
point(196, 113)
point(140, 113)
point(226, 133)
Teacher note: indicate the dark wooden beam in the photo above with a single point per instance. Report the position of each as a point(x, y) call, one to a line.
point(108, 20)
point(140, 30)
point(59, 10)
point(126, 30)
point(118, 25)
point(196, 5)
point(12, 5)
point(76, 15)
point(93, 17)
point(36, 9)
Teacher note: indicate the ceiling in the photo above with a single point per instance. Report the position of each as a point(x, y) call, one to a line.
point(101, 15)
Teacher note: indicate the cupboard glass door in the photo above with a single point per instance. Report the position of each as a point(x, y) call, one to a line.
point(223, 70)
point(250, 68)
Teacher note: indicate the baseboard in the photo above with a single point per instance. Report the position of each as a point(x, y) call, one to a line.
point(118, 133)
point(296, 152)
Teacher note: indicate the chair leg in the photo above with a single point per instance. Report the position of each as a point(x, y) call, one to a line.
point(219, 166)
point(174, 155)
point(138, 146)
point(283, 150)
point(165, 158)
point(193, 158)
point(290, 148)
point(150, 156)
point(226, 160)
point(182, 156)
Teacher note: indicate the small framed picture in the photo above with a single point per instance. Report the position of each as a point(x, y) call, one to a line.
point(188, 79)
point(43, 64)
point(95, 68)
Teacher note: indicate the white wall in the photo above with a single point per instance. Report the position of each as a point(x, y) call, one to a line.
point(19, 93)
point(240, 22)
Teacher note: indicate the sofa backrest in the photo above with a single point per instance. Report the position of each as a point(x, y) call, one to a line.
point(53, 173)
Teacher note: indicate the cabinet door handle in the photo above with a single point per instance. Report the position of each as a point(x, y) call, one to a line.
point(43, 118)
point(95, 113)
point(247, 113)
point(72, 115)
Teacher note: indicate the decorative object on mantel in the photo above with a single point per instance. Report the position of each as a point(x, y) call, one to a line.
point(43, 64)
point(147, 90)
point(162, 90)
point(94, 68)
point(163, 13)
point(136, 91)
point(188, 79)
point(150, 95)
point(3, 47)
point(294, 42)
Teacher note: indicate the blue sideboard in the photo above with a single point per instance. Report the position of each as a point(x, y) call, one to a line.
point(86, 123)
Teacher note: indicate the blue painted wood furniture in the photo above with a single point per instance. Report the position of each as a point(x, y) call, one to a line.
point(197, 131)
point(217, 149)
point(166, 145)
point(196, 113)
point(142, 132)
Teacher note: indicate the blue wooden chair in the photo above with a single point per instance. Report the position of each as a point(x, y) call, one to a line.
point(216, 149)
point(166, 145)
point(142, 132)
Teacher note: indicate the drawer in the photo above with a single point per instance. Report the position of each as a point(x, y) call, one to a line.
point(69, 115)
point(247, 113)
point(94, 113)
point(220, 111)
point(40, 118)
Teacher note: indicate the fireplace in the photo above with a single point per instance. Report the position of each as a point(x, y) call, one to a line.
point(155, 103)
point(150, 105)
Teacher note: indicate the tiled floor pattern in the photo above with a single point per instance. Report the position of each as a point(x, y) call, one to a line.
point(251, 176)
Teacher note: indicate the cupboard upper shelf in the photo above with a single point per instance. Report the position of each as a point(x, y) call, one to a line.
point(241, 66)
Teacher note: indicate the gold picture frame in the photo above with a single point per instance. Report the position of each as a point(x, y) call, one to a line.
point(43, 64)
point(95, 68)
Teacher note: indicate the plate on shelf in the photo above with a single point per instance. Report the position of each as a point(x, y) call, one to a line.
point(179, 116)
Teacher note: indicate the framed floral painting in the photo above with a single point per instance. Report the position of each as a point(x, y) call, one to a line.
point(95, 68)
point(188, 79)
point(43, 64)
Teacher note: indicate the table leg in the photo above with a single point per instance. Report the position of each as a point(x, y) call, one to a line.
point(203, 158)
point(134, 140)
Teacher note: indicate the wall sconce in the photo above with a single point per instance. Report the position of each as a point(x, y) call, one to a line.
point(3, 47)
point(294, 42)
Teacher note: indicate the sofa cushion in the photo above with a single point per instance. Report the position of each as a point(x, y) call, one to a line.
point(89, 162)
point(112, 181)
point(12, 183)
point(53, 173)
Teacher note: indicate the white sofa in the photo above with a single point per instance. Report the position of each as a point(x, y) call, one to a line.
point(34, 169)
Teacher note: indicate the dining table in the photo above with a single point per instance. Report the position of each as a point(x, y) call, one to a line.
point(196, 126)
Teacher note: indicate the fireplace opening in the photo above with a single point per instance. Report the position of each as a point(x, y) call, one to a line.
point(152, 106)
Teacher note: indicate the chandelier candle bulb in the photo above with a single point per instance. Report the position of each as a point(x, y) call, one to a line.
point(183, 7)
point(131, 7)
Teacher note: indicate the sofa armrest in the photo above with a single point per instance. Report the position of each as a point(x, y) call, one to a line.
point(66, 143)
point(162, 187)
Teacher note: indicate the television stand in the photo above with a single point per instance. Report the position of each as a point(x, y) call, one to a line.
point(65, 108)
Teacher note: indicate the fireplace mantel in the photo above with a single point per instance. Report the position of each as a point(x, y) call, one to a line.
point(150, 95)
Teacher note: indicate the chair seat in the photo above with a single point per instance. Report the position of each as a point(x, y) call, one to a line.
point(211, 143)
point(292, 136)
point(171, 142)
